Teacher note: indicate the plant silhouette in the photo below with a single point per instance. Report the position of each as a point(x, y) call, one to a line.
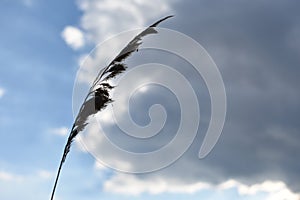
point(98, 96)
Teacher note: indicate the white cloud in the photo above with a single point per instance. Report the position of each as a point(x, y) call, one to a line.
point(103, 19)
point(2, 92)
point(10, 177)
point(44, 174)
point(128, 184)
point(73, 36)
point(131, 185)
point(62, 131)
point(98, 166)
point(274, 190)
point(29, 185)
point(94, 140)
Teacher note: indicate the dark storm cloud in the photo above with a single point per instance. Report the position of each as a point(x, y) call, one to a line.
point(252, 44)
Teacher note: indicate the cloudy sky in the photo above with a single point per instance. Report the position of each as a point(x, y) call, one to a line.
point(255, 45)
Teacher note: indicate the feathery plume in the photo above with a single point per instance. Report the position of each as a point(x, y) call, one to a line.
point(98, 96)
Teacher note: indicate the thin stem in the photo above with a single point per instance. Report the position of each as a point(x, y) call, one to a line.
point(65, 152)
point(57, 176)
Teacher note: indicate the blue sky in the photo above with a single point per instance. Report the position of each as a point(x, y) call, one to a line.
point(256, 47)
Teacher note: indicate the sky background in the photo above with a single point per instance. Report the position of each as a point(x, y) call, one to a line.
point(256, 46)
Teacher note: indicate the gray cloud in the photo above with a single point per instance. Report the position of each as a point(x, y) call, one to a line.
point(251, 44)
